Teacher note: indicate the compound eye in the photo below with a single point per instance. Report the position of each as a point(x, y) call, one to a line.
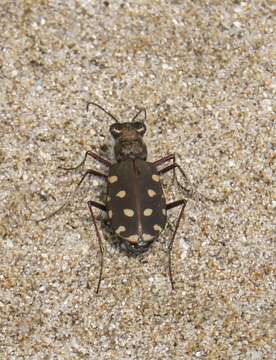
point(116, 129)
point(140, 127)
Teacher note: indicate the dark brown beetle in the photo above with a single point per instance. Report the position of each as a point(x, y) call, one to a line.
point(135, 202)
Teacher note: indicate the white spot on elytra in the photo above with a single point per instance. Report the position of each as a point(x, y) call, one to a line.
point(121, 194)
point(164, 211)
point(112, 179)
point(151, 193)
point(155, 177)
point(120, 229)
point(147, 212)
point(133, 238)
point(157, 227)
point(147, 237)
point(110, 214)
point(128, 212)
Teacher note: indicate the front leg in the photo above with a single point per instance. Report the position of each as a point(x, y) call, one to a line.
point(164, 160)
point(173, 167)
point(94, 156)
point(188, 192)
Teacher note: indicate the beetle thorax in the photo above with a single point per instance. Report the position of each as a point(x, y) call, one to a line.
point(129, 142)
point(130, 149)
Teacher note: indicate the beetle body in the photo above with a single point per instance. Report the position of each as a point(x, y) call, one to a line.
point(135, 203)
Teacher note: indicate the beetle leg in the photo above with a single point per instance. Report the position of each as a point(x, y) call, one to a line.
point(190, 193)
point(164, 160)
point(142, 110)
point(94, 156)
point(168, 207)
point(88, 172)
point(174, 166)
point(92, 204)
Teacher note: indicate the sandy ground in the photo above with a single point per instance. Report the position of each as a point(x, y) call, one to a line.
point(204, 72)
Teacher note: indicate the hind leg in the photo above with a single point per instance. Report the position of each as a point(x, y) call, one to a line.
point(102, 207)
point(169, 206)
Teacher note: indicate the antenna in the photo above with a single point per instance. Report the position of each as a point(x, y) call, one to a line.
point(139, 112)
point(100, 107)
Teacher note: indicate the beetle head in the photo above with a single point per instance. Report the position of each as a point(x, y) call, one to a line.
point(128, 137)
point(129, 140)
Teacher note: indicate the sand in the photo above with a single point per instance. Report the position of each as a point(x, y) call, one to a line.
point(204, 72)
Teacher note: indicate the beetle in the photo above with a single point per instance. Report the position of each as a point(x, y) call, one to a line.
point(135, 202)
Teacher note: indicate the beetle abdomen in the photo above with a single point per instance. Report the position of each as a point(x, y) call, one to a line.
point(135, 201)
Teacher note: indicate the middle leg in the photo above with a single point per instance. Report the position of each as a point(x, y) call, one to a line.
point(190, 193)
point(63, 206)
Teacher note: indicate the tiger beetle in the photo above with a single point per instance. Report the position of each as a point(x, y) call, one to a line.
point(135, 201)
